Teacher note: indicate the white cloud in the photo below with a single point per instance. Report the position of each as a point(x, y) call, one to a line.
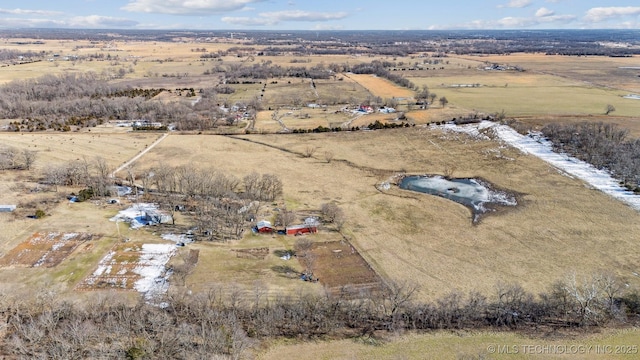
point(85, 22)
point(97, 21)
point(328, 27)
point(514, 22)
point(26, 23)
point(599, 14)
point(516, 4)
point(247, 21)
point(565, 19)
point(29, 12)
point(544, 12)
point(187, 7)
point(276, 17)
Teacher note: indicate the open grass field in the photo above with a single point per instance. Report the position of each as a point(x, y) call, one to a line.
point(559, 227)
point(615, 72)
point(56, 148)
point(527, 94)
point(251, 265)
point(464, 345)
point(381, 87)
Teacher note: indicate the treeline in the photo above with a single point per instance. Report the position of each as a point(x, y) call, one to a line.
point(379, 68)
point(227, 323)
point(605, 146)
point(94, 175)
point(18, 55)
point(267, 70)
point(13, 159)
point(61, 101)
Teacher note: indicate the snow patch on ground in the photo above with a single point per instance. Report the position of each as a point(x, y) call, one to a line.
point(151, 269)
point(535, 144)
point(178, 238)
point(135, 215)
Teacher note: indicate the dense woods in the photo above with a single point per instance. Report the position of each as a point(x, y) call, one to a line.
point(60, 101)
point(605, 146)
point(226, 323)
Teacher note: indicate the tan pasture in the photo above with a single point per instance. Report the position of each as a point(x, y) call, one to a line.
point(461, 345)
point(292, 91)
point(380, 87)
point(595, 70)
point(524, 94)
point(300, 118)
point(561, 225)
point(56, 148)
point(222, 265)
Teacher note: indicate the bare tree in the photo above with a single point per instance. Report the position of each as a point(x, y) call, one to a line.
point(8, 158)
point(611, 286)
point(609, 109)
point(303, 247)
point(332, 213)
point(55, 175)
point(328, 156)
point(443, 101)
point(432, 97)
point(309, 151)
point(28, 158)
point(585, 295)
point(285, 217)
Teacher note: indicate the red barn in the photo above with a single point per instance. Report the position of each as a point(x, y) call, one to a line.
point(264, 227)
point(301, 229)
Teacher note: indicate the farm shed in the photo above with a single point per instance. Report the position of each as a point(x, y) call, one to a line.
point(7, 208)
point(310, 226)
point(264, 227)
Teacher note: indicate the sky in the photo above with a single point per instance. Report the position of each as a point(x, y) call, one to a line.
point(320, 14)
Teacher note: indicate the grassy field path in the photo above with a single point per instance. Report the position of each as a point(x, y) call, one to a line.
point(139, 155)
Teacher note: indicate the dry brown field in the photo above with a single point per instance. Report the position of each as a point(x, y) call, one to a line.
point(381, 87)
point(106, 142)
point(593, 70)
point(560, 226)
point(460, 345)
point(340, 268)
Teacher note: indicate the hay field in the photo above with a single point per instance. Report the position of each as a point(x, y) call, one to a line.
point(300, 118)
point(381, 87)
point(561, 225)
point(56, 148)
point(526, 94)
point(595, 70)
point(458, 345)
point(146, 58)
point(297, 91)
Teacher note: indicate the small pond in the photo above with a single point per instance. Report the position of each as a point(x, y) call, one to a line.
point(476, 194)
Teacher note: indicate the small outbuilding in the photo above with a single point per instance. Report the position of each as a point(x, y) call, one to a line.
point(7, 208)
point(264, 227)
